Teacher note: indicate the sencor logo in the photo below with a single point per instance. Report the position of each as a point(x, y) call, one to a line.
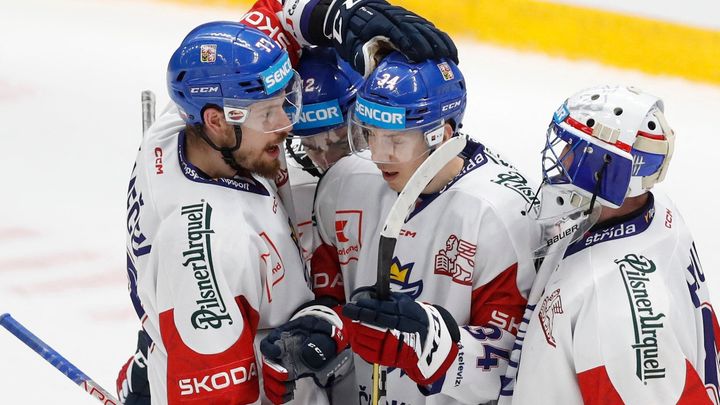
point(378, 115)
point(277, 77)
point(320, 115)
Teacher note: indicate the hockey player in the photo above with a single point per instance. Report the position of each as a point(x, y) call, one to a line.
point(347, 27)
point(362, 31)
point(328, 92)
point(625, 316)
point(319, 138)
point(462, 265)
point(216, 258)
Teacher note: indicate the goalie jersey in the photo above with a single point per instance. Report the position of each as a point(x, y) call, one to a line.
point(466, 248)
point(214, 262)
point(625, 318)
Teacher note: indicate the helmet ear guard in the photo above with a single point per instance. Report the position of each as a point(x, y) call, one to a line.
point(435, 136)
point(663, 147)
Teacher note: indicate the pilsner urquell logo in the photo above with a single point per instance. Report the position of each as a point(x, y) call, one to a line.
point(646, 323)
point(211, 311)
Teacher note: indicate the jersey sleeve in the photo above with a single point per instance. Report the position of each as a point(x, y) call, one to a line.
point(205, 299)
point(327, 278)
point(268, 16)
point(646, 336)
point(500, 285)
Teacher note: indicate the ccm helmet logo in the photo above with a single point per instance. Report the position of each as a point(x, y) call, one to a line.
point(320, 115)
point(217, 381)
point(205, 90)
point(450, 106)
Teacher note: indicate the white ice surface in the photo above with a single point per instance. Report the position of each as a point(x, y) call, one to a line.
point(696, 13)
point(71, 72)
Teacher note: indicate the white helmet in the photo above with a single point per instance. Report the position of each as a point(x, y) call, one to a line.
point(604, 143)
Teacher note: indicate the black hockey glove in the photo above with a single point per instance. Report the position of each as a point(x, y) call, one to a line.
point(364, 31)
point(132, 381)
point(311, 344)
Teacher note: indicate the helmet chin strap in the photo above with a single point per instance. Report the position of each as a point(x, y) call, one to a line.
point(597, 186)
point(304, 161)
point(227, 153)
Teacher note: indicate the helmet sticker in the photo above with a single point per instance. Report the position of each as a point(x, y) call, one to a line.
point(446, 71)
point(561, 114)
point(235, 115)
point(208, 53)
point(277, 75)
point(380, 115)
point(320, 115)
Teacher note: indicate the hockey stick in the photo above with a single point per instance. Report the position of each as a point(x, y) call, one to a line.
point(283, 188)
point(147, 98)
point(395, 220)
point(548, 265)
point(57, 360)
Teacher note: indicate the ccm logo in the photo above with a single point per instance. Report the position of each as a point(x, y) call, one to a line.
point(202, 90)
point(451, 106)
point(217, 381)
point(158, 161)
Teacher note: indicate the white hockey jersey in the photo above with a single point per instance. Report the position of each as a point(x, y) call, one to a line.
point(465, 248)
point(625, 318)
point(215, 263)
point(303, 186)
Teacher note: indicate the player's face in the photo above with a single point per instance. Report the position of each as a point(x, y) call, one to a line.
point(327, 147)
point(399, 169)
point(259, 151)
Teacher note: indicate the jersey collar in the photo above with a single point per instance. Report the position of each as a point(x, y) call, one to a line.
point(631, 224)
point(193, 173)
point(474, 156)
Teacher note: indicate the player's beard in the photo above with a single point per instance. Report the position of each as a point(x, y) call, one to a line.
point(258, 162)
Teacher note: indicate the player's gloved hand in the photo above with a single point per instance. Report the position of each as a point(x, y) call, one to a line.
point(311, 344)
point(132, 381)
point(419, 338)
point(364, 31)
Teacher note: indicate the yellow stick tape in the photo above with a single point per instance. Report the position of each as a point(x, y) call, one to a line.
point(573, 32)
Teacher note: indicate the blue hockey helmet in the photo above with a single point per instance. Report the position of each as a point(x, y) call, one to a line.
point(239, 70)
point(405, 98)
point(328, 91)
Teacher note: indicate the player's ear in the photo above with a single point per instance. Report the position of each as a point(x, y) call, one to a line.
point(214, 121)
point(448, 132)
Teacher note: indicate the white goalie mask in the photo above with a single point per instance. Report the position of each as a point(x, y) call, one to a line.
point(603, 145)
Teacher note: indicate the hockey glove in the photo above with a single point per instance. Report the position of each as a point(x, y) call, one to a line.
point(419, 338)
point(132, 381)
point(312, 344)
point(364, 31)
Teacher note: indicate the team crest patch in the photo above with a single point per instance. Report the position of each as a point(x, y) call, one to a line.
point(551, 305)
point(400, 276)
point(208, 53)
point(456, 260)
point(446, 71)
